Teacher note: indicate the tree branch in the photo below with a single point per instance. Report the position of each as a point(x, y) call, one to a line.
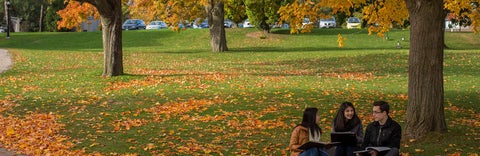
point(92, 2)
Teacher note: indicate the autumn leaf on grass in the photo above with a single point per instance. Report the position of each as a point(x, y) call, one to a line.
point(177, 108)
point(127, 123)
point(10, 131)
point(35, 134)
point(6, 105)
point(149, 146)
point(454, 154)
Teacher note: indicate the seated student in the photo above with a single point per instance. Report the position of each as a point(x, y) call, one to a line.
point(383, 132)
point(307, 131)
point(347, 120)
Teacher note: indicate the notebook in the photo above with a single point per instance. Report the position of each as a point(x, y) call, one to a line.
point(346, 138)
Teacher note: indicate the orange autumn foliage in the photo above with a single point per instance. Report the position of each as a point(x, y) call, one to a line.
point(75, 13)
point(380, 16)
point(36, 134)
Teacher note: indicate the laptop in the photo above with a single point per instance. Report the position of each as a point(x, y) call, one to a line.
point(345, 138)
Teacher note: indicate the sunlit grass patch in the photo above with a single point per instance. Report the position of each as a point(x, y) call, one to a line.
point(177, 97)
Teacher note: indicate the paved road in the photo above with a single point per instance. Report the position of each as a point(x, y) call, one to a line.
point(5, 60)
point(5, 64)
point(4, 152)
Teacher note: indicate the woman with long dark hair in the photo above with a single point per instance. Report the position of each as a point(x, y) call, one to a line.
point(307, 131)
point(347, 120)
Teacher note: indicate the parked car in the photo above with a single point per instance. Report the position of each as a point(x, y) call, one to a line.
point(354, 22)
point(228, 23)
point(157, 25)
point(327, 23)
point(133, 24)
point(306, 21)
point(199, 25)
point(247, 24)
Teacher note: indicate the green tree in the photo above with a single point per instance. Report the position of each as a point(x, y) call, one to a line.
point(51, 16)
point(235, 11)
point(29, 11)
point(263, 13)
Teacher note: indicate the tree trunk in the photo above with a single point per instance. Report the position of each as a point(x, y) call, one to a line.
point(215, 12)
point(111, 16)
point(7, 18)
point(41, 19)
point(425, 73)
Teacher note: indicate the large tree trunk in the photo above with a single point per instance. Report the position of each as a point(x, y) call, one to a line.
point(111, 17)
point(425, 73)
point(215, 13)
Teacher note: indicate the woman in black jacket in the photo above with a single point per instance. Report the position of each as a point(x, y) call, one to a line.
point(347, 120)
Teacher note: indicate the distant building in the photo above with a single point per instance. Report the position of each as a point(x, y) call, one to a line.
point(16, 24)
point(90, 25)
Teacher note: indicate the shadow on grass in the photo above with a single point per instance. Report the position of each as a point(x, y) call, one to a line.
point(301, 49)
point(376, 64)
point(323, 32)
point(81, 41)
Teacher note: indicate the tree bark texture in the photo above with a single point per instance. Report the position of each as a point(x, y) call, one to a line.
point(425, 110)
point(40, 21)
point(215, 13)
point(111, 17)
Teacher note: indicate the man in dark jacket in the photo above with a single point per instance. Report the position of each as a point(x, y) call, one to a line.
point(383, 132)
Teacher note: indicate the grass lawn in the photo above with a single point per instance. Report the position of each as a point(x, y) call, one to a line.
point(177, 97)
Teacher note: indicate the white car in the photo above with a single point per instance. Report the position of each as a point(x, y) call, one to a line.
point(247, 24)
point(354, 23)
point(306, 21)
point(157, 25)
point(327, 23)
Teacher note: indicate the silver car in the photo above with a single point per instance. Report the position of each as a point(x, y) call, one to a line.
point(157, 25)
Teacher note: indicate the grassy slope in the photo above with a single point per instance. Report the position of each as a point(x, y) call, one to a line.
point(262, 85)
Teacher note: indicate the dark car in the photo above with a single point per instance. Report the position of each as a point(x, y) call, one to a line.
point(133, 24)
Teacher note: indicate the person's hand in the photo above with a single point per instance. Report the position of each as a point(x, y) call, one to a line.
point(373, 153)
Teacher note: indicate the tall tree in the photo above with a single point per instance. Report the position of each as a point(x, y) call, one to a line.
point(111, 17)
point(179, 12)
point(215, 15)
point(296, 11)
point(425, 109)
point(263, 13)
point(51, 16)
point(29, 12)
point(425, 73)
point(235, 11)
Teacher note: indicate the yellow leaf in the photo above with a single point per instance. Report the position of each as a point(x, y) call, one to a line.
point(149, 147)
point(10, 131)
point(207, 151)
point(94, 144)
